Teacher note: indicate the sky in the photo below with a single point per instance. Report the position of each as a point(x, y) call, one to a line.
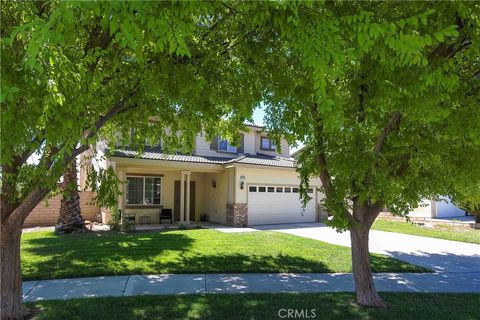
point(259, 114)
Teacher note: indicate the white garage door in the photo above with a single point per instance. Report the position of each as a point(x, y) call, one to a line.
point(278, 204)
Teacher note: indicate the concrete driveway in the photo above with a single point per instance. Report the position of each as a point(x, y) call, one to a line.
point(436, 254)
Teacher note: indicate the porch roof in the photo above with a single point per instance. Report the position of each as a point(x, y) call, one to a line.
point(158, 155)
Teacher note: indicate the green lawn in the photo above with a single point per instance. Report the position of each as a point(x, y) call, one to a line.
point(46, 255)
point(442, 232)
point(416, 306)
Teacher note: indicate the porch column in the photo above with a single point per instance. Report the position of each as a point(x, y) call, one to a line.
point(122, 188)
point(182, 197)
point(187, 220)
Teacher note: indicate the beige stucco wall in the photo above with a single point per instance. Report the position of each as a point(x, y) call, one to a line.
point(285, 152)
point(425, 209)
point(270, 176)
point(202, 146)
point(168, 186)
point(209, 200)
point(231, 185)
point(215, 199)
point(251, 145)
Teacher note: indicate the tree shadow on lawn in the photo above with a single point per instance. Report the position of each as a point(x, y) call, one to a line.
point(109, 254)
point(261, 306)
point(167, 252)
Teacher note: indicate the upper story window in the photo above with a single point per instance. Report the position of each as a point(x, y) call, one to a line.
point(151, 143)
point(267, 144)
point(144, 191)
point(223, 145)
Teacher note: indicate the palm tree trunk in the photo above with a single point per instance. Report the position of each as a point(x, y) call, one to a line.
point(70, 219)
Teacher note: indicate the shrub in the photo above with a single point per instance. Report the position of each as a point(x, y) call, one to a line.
point(114, 222)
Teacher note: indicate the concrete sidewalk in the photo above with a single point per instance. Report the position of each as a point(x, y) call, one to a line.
point(174, 284)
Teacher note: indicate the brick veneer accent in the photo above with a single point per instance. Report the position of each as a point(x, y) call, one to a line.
point(322, 213)
point(237, 215)
point(47, 215)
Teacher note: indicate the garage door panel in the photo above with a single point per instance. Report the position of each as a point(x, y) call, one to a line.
point(278, 207)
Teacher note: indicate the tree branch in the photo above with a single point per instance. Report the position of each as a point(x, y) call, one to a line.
point(22, 158)
point(228, 7)
point(448, 51)
point(41, 6)
point(391, 124)
point(117, 109)
point(321, 159)
point(8, 191)
point(325, 176)
point(21, 212)
point(97, 39)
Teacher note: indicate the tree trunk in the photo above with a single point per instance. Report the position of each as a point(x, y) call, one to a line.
point(12, 218)
point(362, 272)
point(70, 219)
point(10, 273)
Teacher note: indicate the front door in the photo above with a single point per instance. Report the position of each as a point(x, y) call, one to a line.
point(176, 207)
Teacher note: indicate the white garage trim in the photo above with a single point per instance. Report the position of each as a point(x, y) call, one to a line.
point(272, 204)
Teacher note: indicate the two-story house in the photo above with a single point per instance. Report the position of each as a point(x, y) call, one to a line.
point(250, 184)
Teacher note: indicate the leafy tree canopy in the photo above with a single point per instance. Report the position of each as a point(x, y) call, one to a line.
point(77, 72)
point(468, 199)
point(384, 95)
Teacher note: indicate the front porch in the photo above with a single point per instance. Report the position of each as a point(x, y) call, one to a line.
point(162, 194)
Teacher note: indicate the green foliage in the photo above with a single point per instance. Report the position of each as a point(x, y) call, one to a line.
point(105, 183)
point(127, 226)
point(182, 227)
point(75, 73)
point(115, 220)
point(117, 223)
point(468, 199)
point(331, 73)
point(387, 93)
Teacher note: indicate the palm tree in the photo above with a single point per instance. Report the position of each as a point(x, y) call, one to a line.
point(70, 219)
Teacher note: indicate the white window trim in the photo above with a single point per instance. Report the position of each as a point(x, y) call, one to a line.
point(144, 204)
point(271, 144)
point(228, 145)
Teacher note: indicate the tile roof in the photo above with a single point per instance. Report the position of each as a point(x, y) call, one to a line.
point(156, 154)
point(264, 160)
point(254, 125)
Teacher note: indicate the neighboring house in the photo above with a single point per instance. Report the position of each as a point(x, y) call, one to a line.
point(250, 184)
point(437, 209)
point(427, 208)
